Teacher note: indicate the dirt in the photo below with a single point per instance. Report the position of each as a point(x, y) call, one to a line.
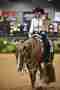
point(10, 79)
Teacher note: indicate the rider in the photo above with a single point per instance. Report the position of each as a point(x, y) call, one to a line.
point(37, 27)
point(37, 21)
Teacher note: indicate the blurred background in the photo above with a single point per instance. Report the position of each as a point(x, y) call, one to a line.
point(15, 18)
point(16, 15)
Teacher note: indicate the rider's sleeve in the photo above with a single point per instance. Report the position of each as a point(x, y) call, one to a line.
point(31, 28)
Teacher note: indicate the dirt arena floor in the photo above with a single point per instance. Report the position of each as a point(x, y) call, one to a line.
point(10, 79)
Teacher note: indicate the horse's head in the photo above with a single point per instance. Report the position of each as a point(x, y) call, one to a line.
point(38, 45)
point(37, 39)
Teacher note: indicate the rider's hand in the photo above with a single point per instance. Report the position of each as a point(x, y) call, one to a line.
point(29, 35)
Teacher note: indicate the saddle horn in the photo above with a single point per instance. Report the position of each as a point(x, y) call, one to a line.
point(36, 36)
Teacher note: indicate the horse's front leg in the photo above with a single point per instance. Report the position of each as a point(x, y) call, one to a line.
point(35, 80)
point(32, 77)
point(25, 68)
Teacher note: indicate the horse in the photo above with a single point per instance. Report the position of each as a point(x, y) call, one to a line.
point(30, 53)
